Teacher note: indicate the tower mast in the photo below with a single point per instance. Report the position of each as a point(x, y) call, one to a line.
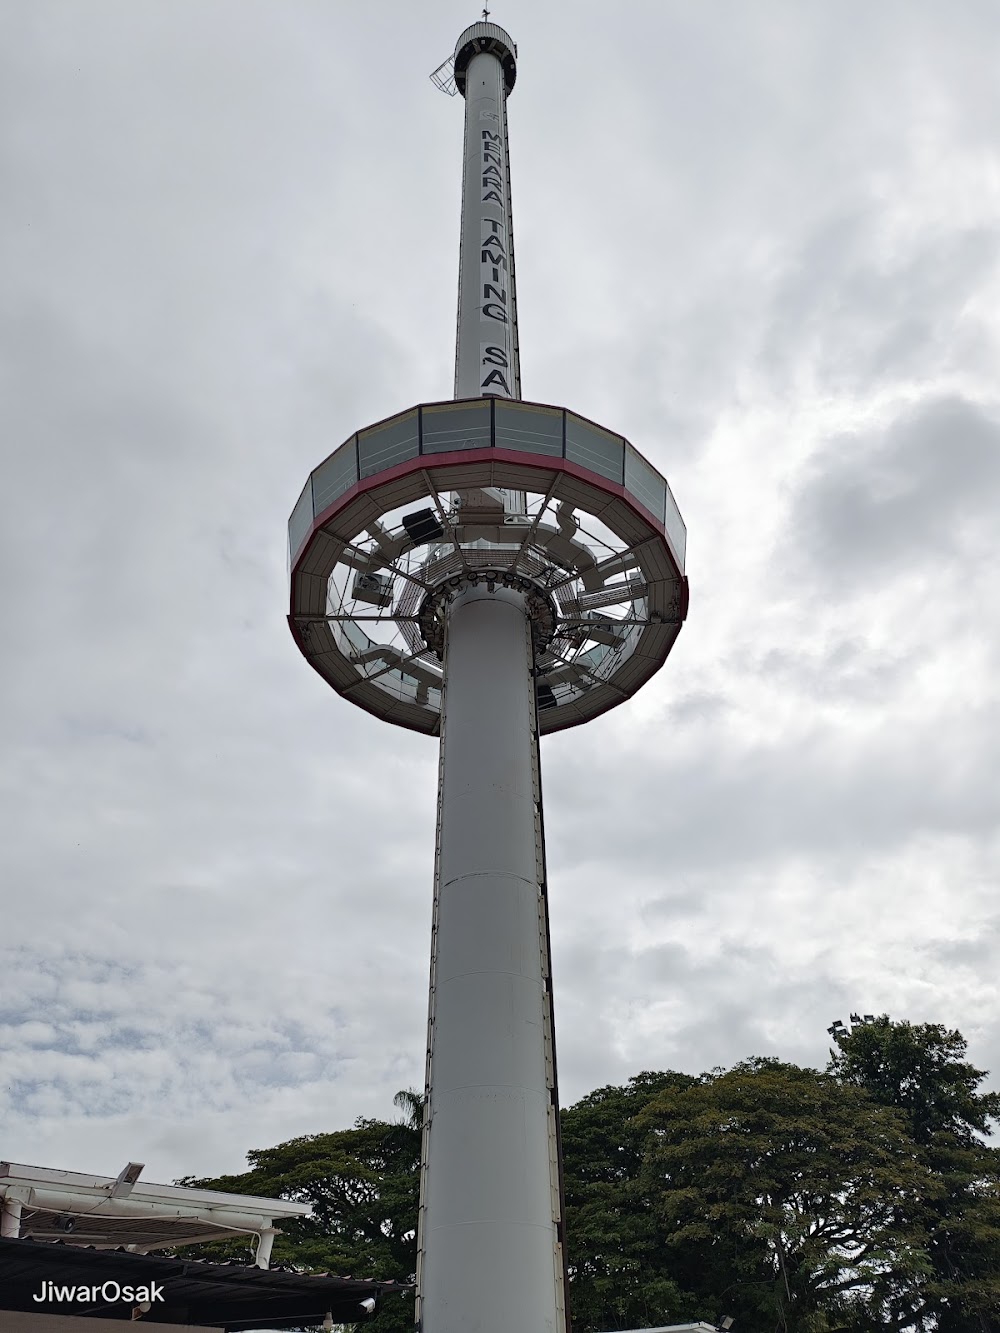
point(539, 584)
point(486, 354)
point(491, 1205)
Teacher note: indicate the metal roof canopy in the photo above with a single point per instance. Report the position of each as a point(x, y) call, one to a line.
point(700, 1327)
point(82, 1210)
point(233, 1297)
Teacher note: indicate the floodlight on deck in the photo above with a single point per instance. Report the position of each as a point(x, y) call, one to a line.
point(487, 570)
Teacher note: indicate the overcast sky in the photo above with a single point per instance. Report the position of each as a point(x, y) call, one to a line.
point(761, 240)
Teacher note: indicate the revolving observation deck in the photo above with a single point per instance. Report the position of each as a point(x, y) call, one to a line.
point(505, 492)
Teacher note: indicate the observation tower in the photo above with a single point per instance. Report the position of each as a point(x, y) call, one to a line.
point(487, 570)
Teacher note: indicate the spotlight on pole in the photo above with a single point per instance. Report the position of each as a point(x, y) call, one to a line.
point(127, 1177)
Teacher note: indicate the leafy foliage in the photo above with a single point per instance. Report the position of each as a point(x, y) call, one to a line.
point(363, 1185)
point(861, 1198)
point(921, 1070)
point(808, 1184)
point(620, 1273)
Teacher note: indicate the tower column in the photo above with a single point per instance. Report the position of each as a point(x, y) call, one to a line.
point(488, 639)
point(486, 354)
point(490, 1257)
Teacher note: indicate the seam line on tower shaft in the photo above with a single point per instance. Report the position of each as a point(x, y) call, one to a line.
point(491, 1222)
point(492, 972)
point(464, 1087)
point(491, 874)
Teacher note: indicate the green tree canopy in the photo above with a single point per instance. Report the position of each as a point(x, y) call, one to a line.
point(862, 1198)
point(793, 1173)
point(922, 1071)
point(363, 1184)
point(621, 1276)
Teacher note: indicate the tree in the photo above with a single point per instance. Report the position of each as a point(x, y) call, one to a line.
point(921, 1070)
point(363, 1184)
point(619, 1270)
point(858, 1199)
point(806, 1185)
point(411, 1103)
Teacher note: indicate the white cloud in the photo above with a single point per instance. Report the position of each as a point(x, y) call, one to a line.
point(764, 245)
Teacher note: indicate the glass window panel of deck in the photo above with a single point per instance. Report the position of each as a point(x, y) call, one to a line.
point(384, 446)
point(676, 528)
point(351, 639)
point(403, 685)
point(644, 483)
point(532, 430)
point(301, 520)
point(447, 427)
point(332, 478)
point(595, 449)
point(593, 659)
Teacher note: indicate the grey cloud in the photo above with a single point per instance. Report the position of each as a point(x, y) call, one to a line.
point(226, 245)
point(848, 672)
point(866, 316)
point(880, 504)
point(971, 953)
point(699, 706)
point(698, 806)
point(717, 1007)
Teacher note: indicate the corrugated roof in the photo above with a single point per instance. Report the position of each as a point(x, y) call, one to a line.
point(202, 1292)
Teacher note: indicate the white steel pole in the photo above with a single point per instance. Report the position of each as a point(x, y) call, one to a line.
point(490, 1240)
point(10, 1217)
point(487, 355)
point(265, 1243)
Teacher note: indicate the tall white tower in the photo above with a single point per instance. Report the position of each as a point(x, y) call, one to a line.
point(540, 584)
point(486, 353)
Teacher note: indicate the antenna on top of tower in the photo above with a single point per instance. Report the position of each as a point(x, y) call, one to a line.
point(443, 78)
